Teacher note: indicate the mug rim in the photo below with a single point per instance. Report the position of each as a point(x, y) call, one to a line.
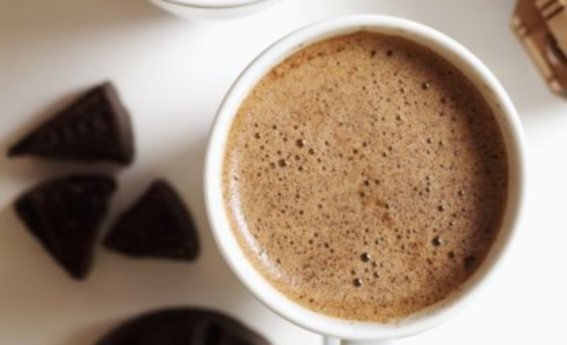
point(450, 50)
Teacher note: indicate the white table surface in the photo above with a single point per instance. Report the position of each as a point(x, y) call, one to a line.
point(172, 74)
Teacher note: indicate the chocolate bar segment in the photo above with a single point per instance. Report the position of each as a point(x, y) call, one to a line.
point(65, 215)
point(541, 25)
point(183, 326)
point(96, 127)
point(158, 225)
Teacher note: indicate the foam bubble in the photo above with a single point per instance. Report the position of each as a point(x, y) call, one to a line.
point(365, 257)
point(436, 241)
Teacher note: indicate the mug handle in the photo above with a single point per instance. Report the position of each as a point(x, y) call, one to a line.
point(334, 341)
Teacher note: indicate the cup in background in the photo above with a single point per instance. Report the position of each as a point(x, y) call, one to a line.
point(212, 9)
point(356, 332)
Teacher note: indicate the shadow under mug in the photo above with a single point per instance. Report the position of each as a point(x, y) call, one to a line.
point(356, 332)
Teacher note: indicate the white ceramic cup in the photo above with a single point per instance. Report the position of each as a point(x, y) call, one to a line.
point(354, 332)
point(211, 9)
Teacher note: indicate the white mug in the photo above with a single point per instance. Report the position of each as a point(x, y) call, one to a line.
point(356, 332)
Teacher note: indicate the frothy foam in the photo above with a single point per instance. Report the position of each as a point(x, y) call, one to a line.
point(365, 177)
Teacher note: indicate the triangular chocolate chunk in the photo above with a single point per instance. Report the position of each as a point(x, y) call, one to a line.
point(65, 215)
point(96, 127)
point(183, 326)
point(158, 226)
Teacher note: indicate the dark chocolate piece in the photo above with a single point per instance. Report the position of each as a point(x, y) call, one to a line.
point(158, 226)
point(96, 127)
point(183, 326)
point(65, 215)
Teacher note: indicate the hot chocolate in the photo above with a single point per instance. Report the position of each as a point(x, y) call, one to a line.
point(365, 177)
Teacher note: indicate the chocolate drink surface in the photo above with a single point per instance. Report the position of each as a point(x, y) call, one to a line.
point(365, 177)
